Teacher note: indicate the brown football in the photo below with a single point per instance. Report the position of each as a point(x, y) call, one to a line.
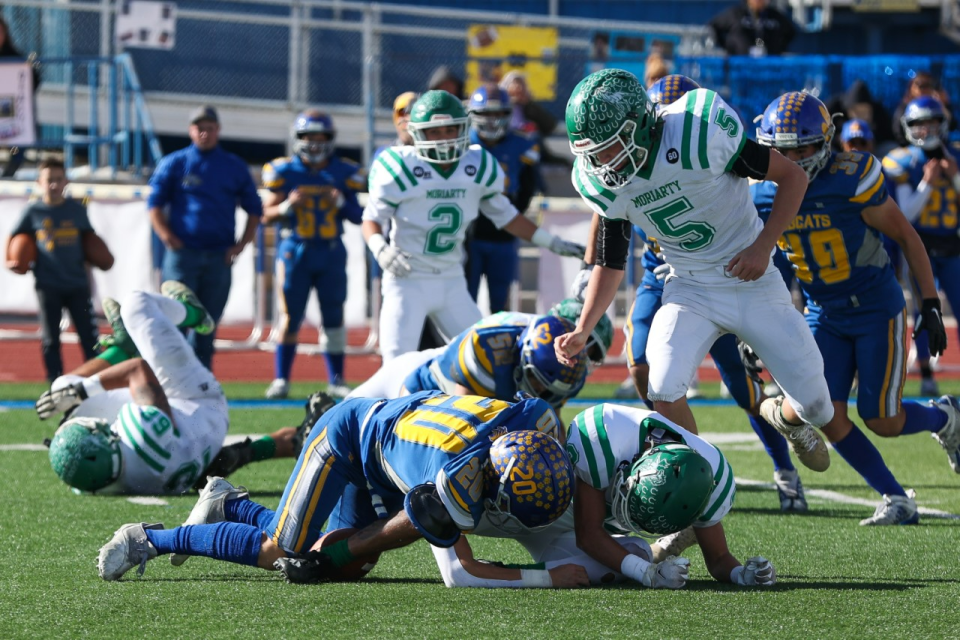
point(349, 572)
point(21, 252)
point(95, 251)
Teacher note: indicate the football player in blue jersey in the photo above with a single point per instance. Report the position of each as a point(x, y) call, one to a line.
point(498, 361)
point(927, 188)
point(311, 194)
point(492, 252)
point(855, 306)
point(428, 465)
point(745, 388)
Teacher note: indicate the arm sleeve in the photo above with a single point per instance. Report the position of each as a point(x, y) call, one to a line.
point(455, 575)
point(613, 243)
point(753, 161)
point(912, 200)
point(159, 187)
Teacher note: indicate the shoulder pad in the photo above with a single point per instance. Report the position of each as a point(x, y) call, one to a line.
point(430, 517)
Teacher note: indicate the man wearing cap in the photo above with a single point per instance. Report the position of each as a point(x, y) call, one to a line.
point(856, 136)
point(193, 200)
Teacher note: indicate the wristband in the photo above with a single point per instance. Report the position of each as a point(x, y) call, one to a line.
point(339, 553)
point(92, 385)
point(376, 242)
point(542, 238)
point(284, 208)
point(735, 575)
point(634, 567)
point(537, 578)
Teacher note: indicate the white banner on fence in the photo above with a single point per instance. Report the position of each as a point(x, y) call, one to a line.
point(16, 105)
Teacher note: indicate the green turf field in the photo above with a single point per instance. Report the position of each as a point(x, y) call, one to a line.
point(836, 579)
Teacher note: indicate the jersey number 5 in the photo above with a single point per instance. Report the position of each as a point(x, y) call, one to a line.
point(442, 238)
point(691, 235)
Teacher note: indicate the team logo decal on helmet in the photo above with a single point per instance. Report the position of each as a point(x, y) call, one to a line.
point(611, 125)
point(663, 491)
point(529, 481)
point(795, 120)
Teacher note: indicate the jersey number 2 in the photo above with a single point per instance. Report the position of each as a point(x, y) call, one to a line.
point(442, 238)
point(696, 235)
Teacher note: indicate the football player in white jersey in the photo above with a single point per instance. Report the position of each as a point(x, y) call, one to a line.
point(430, 193)
point(165, 417)
point(620, 455)
point(680, 175)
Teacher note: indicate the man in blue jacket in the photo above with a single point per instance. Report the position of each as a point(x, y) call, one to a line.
point(194, 196)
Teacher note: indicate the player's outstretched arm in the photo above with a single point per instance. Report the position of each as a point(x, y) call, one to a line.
point(721, 564)
point(135, 374)
point(524, 229)
point(459, 568)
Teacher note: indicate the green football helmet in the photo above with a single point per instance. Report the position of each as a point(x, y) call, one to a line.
point(663, 491)
point(612, 125)
point(601, 338)
point(85, 454)
point(438, 109)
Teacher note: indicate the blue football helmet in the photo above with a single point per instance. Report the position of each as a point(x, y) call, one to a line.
point(669, 89)
point(313, 151)
point(490, 111)
point(540, 373)
point(925, 136)
point(529, 481)
point(794, 120)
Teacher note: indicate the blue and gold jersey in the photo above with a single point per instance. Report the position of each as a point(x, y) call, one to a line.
point(430, 437)
point(939, 215)
point(317, 217)
point(838, 259)
point(649, 260)
point(762, 192)
point(513, 151)
point(482, 359)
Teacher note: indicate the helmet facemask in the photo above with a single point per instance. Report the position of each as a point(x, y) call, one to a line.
point(617, 172)
point(446, 151)
point(313, 151)
point(490, 124)
point(926, 133)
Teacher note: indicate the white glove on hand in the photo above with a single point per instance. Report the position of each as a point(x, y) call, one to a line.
point(563, 247)
point(578, 288)
point(757, 572)
point(670, 574)
point(393, 260)
point(54, 402)
point(662, 272)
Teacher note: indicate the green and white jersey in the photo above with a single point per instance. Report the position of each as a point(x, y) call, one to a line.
point(607, 435)
point(685, 196)
point(430, 208)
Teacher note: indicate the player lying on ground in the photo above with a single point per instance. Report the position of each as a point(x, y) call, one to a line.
point(637, 472)
point(427, 465)
point(149, 424)
point(855, 305)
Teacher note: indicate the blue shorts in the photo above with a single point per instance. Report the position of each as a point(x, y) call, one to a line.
point(319, 265)
point(875, 348)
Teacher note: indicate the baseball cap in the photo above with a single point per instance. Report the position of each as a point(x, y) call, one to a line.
point(403, 103)
point(853, 129)
point(206, 112)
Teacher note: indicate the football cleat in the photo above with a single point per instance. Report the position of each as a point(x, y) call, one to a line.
point(673, 544)
point(949, 436)
point(209, 507)
point(128, 548)
point(278, 389)
point(929, 388)
point(807, 444)
point(894, 510)
point(790, 489)
point(185, 296)
point(121, 339)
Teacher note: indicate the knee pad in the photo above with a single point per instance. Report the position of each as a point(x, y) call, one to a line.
point(333, 340)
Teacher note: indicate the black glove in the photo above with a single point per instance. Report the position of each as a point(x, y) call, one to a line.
point(931, 321)
point(314, 567)
point(750, 360)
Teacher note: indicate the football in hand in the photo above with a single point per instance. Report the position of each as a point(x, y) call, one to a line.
point(21, 253)
point(349, 572)
point(95, 251)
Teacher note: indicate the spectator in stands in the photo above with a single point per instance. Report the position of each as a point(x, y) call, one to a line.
point(656, 68)
point(444, 79)
point(856, 136)
point(857, 103)
point(530, 116)
point(193, 201)
point(58, 224)
point(11, 53)
point(922, 84)
point(753, 28)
